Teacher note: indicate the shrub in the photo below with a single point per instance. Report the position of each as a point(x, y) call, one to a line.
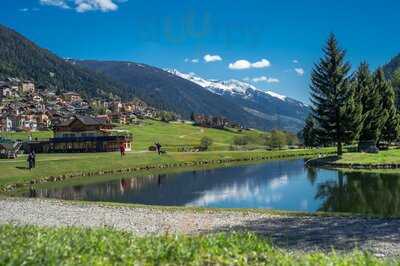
point(205, 143)
point(241, 140)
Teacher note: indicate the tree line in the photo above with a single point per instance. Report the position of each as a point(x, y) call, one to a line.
point(348, 107)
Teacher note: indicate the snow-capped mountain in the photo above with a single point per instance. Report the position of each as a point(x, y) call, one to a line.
point(281, 111)
point(185, 94)
point(231, 86)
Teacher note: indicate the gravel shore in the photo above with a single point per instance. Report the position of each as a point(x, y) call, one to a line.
point(379, 236)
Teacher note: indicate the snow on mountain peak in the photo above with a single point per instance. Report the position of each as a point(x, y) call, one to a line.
point(276, 95)
point(231, 86)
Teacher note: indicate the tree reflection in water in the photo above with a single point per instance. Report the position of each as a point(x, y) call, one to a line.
point(361, 192)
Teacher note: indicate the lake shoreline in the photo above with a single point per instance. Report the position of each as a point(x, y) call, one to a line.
point(201, 160)
point(333, 162)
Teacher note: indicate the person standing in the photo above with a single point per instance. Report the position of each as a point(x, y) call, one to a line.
point(29, 160)
point(122, 149)
point(158, 147)
point(33, 159)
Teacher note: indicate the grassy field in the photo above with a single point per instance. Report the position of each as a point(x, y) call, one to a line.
point(383, 157)
point(14, 171)
point(25, 135)
point(71, 246)
point(175, 135)
point(171, 135)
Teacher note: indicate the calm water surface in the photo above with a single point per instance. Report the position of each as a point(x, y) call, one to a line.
point(283, 185)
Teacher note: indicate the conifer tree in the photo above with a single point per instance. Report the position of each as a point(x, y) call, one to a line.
point(335, 107)
point(390, 129)
point(310, 136)
point(375, 115)
point(396, 85)
point(371, 110)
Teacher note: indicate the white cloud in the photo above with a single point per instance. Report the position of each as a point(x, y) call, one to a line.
point(295, 61)
point(91, 5)
point(261, 64)
point(299, 71)
point(240, 64)
point(82, 6)
point(244, 64)
point(212, 58)
point(57, 3)
point(194, 61)
point(247, 79)
point(24, 9)
point(265, 79)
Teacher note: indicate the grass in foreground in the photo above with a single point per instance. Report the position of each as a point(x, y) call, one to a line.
point(72, 246)
point(14, 171)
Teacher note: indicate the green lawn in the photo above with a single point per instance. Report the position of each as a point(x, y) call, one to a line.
point(14, 171)
point(25, 135)
point(174, 135)
point(383, 157)
point(72, 246)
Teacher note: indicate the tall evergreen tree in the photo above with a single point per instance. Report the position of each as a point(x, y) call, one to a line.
point(335, 107)
point(309, 135)
point(390, 128)
point(372, 113)
point(396, 85)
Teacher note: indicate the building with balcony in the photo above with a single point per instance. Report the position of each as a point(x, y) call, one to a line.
point(84, 134)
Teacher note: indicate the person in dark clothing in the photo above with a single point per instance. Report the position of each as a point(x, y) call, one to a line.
point(158, 148)
point(33, 159)
point(30, 161)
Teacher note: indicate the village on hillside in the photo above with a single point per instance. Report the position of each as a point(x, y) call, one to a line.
point(78, 124)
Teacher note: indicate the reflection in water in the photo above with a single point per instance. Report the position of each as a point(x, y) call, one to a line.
point(285, 185)
point(369, 193)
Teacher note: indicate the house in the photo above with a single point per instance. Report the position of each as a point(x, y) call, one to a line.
point(210, 121)
point(10, 123)
point(84, 134)
point(9, 148)
point(27, 86)
point(72, 96)
point(6, 91)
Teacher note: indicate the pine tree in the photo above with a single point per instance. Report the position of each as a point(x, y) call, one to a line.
point(309, 135)
point(396, 85)
point(335, 108)
point(390, 129)
point(370, 99)
point(375, 115)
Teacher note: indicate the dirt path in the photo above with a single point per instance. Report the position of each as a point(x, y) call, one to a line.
point(380, 236)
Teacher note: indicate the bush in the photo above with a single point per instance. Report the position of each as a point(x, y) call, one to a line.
point(241, 140)
point(205, 143)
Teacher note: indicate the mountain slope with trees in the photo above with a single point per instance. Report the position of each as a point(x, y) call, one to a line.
point(21, 58)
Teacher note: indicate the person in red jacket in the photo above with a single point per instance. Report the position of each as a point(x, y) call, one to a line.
point(122, 149)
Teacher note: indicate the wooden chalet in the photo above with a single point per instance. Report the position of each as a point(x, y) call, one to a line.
point(84, 134)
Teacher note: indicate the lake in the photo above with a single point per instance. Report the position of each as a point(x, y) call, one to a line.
point(281, 185)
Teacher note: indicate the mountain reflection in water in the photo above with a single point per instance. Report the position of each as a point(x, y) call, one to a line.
point(284, 184)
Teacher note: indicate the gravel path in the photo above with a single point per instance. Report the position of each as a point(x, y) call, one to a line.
point(380, 236)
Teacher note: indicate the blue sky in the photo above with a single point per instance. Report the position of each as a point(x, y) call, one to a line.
point(276, 40)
